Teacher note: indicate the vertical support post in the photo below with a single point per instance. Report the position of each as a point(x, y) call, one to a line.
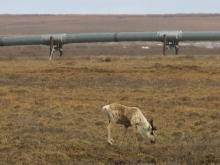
point(177, 47)
point(51, 47)
point(61, 50)
point(164, 44)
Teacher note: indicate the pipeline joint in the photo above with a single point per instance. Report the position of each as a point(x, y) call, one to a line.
point(116, 37)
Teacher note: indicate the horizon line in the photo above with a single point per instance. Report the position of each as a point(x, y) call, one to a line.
point(113, 14)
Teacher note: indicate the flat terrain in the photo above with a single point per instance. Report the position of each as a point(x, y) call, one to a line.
point(50, 111)
point(42, 24)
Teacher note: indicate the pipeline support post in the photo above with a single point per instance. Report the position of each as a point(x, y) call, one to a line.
point(54, 48)
point(177, 47)
point(51, 47)
point(164, 44)
point(174, 45)
point(61, 50)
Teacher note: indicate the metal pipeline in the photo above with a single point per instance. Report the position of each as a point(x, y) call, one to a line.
point(201, 36)
point(170, 39)
point(171, 36)
point(23, 40)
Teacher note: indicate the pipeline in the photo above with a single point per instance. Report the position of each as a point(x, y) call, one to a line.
point(170, 39)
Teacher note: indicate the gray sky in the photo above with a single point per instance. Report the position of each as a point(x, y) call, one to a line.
point(108, 6)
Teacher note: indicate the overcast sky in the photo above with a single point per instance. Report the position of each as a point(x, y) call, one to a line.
point(108, 6)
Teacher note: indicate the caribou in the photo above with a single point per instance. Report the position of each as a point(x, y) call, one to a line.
point(129, 117)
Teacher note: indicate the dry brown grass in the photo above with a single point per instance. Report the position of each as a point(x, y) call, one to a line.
point(51, 111)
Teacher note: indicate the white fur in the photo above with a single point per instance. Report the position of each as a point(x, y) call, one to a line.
point(106, 107)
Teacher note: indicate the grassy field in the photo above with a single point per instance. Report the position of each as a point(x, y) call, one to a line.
point(51, 113)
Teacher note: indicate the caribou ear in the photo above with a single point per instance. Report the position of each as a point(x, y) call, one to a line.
point(151, 122)
point(152, 125)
